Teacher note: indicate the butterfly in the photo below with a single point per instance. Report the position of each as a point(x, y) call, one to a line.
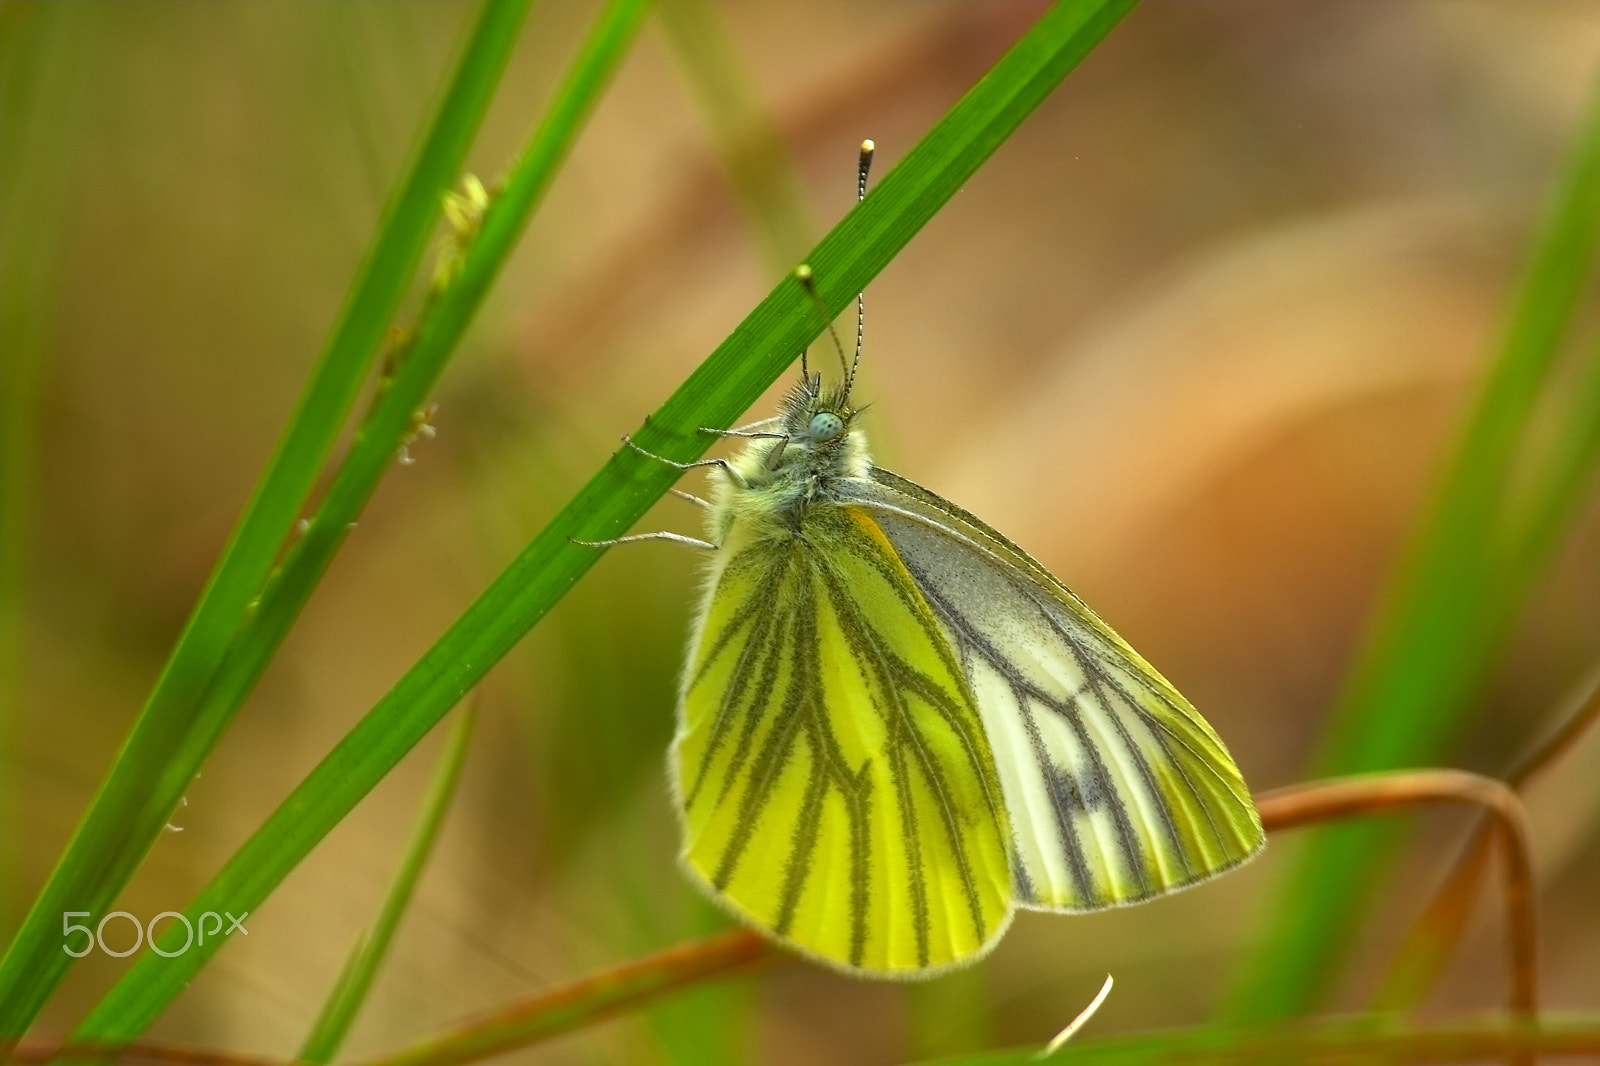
point(895, 727)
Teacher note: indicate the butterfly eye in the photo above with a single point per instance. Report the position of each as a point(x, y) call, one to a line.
point(825, 425)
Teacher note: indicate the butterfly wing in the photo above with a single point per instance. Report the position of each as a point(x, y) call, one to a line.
point(831, 767)
point(1116, 789)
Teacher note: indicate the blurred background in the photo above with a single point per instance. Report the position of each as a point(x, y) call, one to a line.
point(1197, 336)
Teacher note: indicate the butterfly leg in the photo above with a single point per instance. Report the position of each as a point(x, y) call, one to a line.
point(733, 475)
point(747, 433)
point(746, 430)
point(692, 498)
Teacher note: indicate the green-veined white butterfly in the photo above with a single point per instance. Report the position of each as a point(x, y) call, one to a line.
point(895, 726)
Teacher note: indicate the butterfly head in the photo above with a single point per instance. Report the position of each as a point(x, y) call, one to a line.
point(820, 440)
point(815, 414)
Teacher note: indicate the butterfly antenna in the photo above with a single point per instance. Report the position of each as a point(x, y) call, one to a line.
point(808, 282)
point(863, 166)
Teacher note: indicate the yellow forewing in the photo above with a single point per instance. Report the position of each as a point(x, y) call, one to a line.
point(833, 773)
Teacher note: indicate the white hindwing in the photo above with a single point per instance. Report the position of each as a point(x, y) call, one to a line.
point(1117, 790)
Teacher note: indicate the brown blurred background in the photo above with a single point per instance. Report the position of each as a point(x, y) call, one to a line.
point(1196, 336)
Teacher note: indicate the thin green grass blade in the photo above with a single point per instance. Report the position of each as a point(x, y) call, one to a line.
point(950, 1014)
point(716, 394)
point(355, 981)
point(699, 1026)
point(1448, 609)
point(1559, 484)
point(178, 728)
point(391, 418)
point(1343, 1040)
point(443, 322)
point(43, 51)
point(748, 140)
point(710, 1022)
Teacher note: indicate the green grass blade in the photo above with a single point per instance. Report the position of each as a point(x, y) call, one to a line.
point(695, 1027)
point(444, 321)
point(350, 991)
point(42, 51)
point(716, 394)
point(950, 1013)
point(176, 730)
point(1343, 1040)
point(1556, 488)
point(1447, 611)
point(1559, 484)
point(748, 140)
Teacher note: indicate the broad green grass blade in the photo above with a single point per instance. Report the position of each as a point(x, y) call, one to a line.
point(1450, 604)
point(717, 393)
point(1344, 1040)
point(178, 726)
point(355, 981)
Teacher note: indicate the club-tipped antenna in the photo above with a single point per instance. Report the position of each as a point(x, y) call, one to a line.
point(808, 282)
point(863, 167)
point(803, 274)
